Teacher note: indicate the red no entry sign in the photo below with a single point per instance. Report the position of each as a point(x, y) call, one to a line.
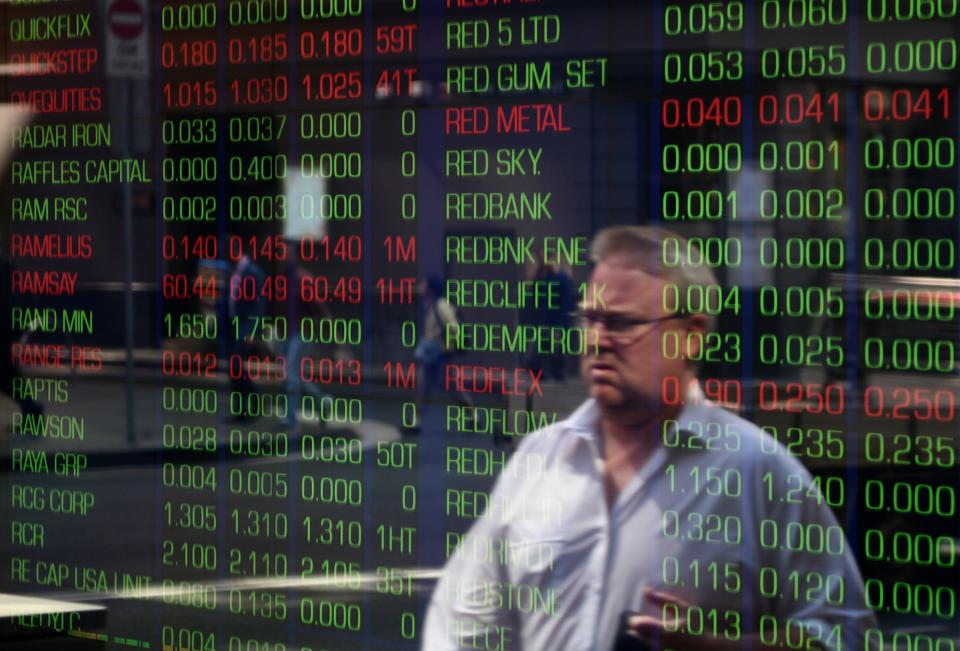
point(125, 18)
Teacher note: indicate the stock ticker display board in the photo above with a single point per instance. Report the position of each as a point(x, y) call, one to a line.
point(288, 282)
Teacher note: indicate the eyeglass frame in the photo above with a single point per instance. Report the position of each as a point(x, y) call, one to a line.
point(593, 319)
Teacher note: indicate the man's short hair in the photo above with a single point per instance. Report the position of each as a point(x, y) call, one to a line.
point(643, 248)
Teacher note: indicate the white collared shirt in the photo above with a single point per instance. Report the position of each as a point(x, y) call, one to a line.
point(719, 516)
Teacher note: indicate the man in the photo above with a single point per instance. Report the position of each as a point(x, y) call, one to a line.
point(672, 514)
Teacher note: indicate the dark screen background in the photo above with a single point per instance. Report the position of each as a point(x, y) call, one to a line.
point(167, 481)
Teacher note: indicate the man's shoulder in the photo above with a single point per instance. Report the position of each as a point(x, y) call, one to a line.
point(560, 434)
point(745, 442)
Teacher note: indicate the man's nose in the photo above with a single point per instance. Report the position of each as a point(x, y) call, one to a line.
point(599, 339)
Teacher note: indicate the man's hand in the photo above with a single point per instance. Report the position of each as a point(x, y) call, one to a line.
point(660, 631)
point(668, 630)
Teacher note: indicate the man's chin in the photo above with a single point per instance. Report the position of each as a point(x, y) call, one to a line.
point(607, 396)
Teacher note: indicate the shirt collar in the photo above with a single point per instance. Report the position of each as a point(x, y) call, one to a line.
point(582, 424)
point(581, 428)
point(695, 410)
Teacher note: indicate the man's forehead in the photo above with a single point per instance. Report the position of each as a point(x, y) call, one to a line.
point(619, 284)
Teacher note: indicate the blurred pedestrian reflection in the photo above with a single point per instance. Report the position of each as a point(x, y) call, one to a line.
point(296, 348)
point(245, 305)
point(544, 314)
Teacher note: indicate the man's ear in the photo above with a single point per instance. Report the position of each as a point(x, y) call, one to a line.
point(695, 323)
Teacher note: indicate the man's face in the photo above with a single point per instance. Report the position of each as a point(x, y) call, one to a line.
point(628, 369)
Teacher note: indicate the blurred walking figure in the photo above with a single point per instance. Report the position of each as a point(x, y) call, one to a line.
point(296, 349)
point(431, 352)
point(555, 315)
point(245, 305)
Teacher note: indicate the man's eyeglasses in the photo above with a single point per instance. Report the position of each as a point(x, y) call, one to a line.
point(620, 327)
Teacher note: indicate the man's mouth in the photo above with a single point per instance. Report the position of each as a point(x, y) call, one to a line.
point(599, 369)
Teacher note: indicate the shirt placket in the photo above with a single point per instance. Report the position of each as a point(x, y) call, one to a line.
point(597, 564)
point(627, 502)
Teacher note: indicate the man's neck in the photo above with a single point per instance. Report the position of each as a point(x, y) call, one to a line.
point(628, 443)
point(629, 438)
point(634, 431)
point(622, 428)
